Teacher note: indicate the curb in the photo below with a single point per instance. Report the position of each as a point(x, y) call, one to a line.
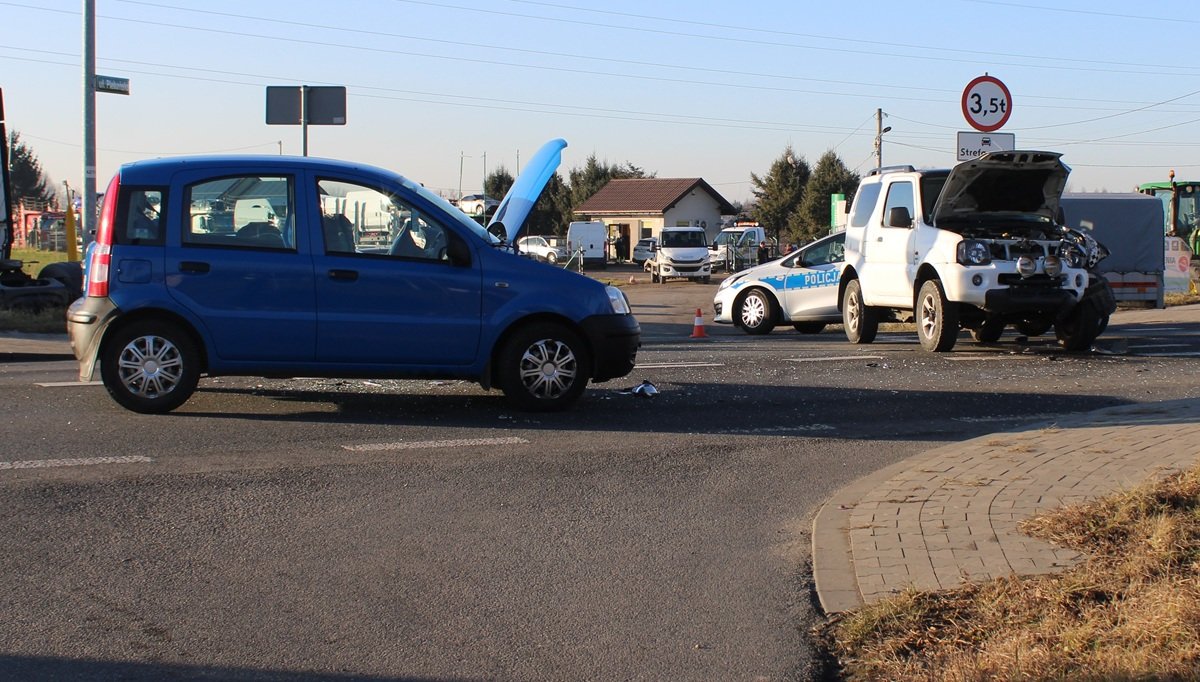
point(835, 574)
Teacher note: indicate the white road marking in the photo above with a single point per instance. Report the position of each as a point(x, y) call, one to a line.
point(74, 462)
point(836, 358)
point(1140, 346)
point(418, 444)
point(776, 429)
point(61, 384)
point(666, 365)
point(1172, 355)
point(1022, 356)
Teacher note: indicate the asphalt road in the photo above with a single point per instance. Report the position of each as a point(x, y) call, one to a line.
point(320, 529)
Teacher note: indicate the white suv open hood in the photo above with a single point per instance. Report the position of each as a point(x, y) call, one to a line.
point(523, 194)
point(1025, 182)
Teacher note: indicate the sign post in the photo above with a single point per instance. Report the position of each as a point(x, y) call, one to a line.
point(306, 105)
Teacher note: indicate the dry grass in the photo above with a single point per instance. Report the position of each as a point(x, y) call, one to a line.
point(1130, 611)
point(1180, 299)
point(48, 321)
point(33, 260)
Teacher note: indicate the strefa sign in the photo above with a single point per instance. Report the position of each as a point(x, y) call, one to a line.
point(972, 145)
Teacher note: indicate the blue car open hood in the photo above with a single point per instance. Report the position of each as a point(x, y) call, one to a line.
point(523, 194)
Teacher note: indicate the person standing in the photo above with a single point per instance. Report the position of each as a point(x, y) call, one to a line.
point(764, 252)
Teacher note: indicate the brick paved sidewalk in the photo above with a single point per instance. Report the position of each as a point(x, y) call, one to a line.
point(950, 514)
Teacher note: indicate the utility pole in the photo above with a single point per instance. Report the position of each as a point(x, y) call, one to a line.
point(483, 185)
point(461, 155)
point(879, 131)
point(89, 119)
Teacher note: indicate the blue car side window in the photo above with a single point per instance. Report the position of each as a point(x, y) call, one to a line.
point(249, 211)
point(362, 220)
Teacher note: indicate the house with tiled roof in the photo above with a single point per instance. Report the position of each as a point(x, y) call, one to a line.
point(637, 208)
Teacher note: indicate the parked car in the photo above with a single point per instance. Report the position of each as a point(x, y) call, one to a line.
point(643, 250)
point(478, 205)
point(800, 290)
point(300, 295)
point(539, 248)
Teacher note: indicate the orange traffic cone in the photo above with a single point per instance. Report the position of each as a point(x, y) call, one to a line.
point(698, 327)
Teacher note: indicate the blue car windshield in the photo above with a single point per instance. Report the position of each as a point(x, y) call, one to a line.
point(451, 210)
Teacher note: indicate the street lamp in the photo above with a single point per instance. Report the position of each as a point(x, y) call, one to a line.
point(879, 146)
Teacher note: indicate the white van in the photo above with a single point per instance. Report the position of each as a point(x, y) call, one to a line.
point(682, 252)
point(592, 238)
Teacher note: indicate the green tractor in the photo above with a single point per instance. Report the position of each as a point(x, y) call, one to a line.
point(1181, 208)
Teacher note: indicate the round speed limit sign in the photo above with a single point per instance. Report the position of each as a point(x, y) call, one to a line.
point(986, 104)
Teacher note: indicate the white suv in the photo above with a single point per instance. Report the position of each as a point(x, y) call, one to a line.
point(979, 247)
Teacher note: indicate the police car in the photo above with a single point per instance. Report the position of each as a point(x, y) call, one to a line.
point(800, 289)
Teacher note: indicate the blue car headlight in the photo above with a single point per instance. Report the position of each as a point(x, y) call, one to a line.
point(616, 297)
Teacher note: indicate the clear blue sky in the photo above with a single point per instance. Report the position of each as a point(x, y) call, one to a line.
point(682, 89)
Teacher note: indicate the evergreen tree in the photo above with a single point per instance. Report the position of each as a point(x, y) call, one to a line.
point(829, 176)
point(595, 174)
point(25, 172)
point(498, 182)
point(552, 212)
point(779, 194)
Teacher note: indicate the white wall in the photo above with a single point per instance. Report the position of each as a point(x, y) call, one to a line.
point(697, 208)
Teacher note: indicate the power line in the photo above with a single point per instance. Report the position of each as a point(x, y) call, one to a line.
point(874, 95)
point(1114, 15)
point(1045, 62)
point(515, 105)
point(840, 39)
point(157, 152)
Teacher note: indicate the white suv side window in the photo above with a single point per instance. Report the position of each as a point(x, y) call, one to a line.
point(864, 204)
point(900, 195)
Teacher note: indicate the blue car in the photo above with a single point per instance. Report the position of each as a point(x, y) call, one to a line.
point(280, 267)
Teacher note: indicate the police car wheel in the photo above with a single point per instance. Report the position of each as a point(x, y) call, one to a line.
point(756, 312)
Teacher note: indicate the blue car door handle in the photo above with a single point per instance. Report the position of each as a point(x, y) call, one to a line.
point(344, 275)
point(193, 266)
